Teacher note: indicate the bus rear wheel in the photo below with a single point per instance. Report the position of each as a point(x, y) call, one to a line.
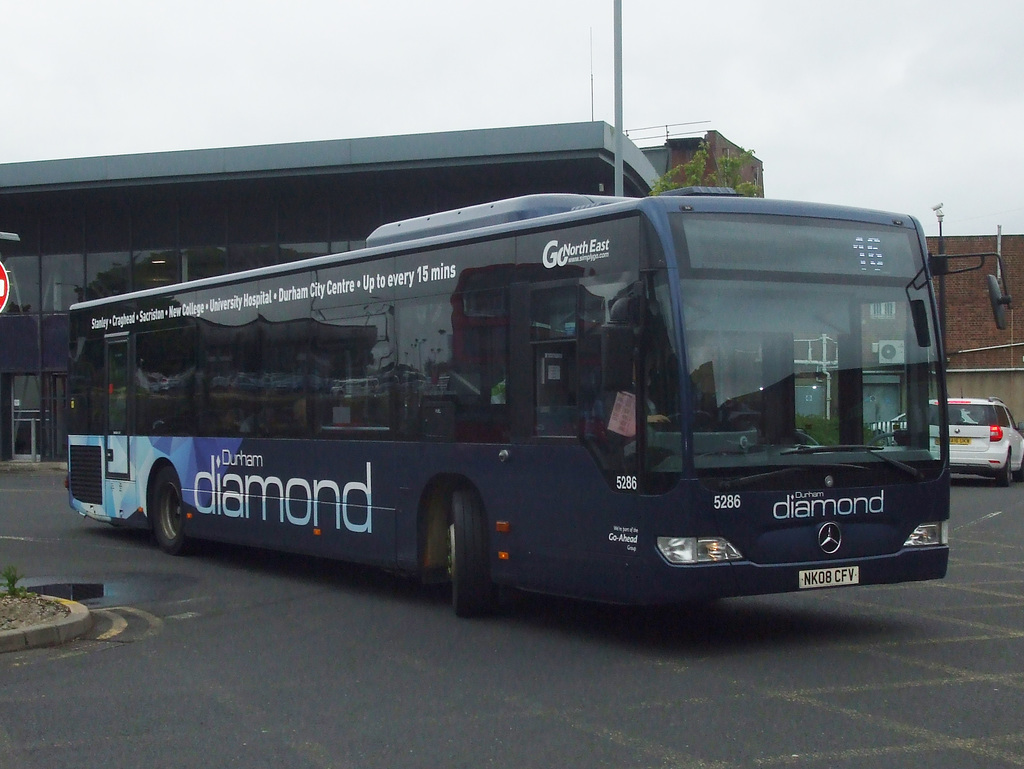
point(473, 593)
point(168, 515)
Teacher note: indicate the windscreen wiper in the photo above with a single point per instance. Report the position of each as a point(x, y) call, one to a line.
point(916, 474)
point(748, 480)
point(729, 451)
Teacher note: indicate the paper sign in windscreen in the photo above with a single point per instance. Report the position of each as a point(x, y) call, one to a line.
point(623, 418)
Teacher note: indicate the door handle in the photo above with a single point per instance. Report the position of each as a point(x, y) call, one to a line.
point(110, 455)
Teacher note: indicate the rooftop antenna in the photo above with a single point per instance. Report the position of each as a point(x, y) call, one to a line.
point(591, 74)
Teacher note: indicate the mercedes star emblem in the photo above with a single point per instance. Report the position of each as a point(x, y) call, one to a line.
point(830, 537)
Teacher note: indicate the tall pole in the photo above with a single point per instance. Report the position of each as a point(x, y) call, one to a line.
point(942, 279)
point(619, 185)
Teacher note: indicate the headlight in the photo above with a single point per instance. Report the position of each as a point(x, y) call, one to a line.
point(928, 534)
point(697, 549)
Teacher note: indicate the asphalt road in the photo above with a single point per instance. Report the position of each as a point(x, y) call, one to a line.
point(235, 657)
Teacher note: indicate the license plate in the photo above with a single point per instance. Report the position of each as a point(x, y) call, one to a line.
point(960, 441)
point(841, 575)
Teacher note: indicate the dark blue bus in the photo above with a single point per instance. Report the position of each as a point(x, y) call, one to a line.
point(639, 401)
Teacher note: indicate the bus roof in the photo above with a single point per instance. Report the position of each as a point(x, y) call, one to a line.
point(483, 215)
point(516, 213)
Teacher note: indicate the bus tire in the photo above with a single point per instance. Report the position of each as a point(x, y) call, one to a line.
point(473, 593)
point(168, 513)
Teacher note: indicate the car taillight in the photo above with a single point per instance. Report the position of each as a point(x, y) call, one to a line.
point(995, 433)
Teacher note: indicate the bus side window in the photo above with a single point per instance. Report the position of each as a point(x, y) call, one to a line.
point(85, 386)
point(228, 400)
point(477, 372)
point(165, 382)
point(283, 401)
point(352, 372)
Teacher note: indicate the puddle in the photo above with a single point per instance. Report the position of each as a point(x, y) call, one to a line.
point(114, 590)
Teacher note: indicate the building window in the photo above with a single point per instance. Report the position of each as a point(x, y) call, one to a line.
point(157, 267)
point(251, 256)
point(292, 252)
point(203, 262)
point(107, 274)
point(63, 281)
point(883, 310)
point(23, 272)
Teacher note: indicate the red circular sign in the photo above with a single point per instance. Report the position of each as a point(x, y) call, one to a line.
point(5, 287)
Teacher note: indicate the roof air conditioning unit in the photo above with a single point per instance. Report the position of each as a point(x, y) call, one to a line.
point(892, 351)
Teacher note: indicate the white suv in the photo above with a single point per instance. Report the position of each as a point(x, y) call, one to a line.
point(984, 440)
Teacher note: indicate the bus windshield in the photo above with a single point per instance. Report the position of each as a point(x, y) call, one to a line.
point(807, 342)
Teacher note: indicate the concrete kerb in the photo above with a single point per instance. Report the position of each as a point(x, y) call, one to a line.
point(52, 633)
point(23, 466)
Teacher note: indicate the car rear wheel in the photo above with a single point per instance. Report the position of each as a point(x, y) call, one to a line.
point(1006, 474)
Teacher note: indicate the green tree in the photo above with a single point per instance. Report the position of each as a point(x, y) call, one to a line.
point(728, 172)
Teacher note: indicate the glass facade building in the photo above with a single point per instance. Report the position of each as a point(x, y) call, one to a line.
point(96, 227)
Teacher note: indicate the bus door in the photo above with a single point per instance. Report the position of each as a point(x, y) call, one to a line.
point(553, 360)
point(116, 432)
point(581, 484)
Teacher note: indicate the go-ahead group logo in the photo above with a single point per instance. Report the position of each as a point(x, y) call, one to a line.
point(558, 254)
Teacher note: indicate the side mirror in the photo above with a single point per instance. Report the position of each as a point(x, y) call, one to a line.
point(998, 300)
point(919, 315)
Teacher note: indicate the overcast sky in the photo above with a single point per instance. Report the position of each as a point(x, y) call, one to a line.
point(891, 104)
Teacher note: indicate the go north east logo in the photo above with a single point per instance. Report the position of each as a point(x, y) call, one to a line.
point(560, 254)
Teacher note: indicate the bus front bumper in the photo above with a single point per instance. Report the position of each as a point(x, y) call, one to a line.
point(667, 583)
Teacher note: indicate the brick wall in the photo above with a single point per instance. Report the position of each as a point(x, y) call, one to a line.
point(969, 324)
point(681, 151)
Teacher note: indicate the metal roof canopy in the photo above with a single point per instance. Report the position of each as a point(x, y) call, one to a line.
point(339, 156)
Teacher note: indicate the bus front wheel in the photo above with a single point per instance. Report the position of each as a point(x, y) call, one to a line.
point(473, 593)
point(168, 516)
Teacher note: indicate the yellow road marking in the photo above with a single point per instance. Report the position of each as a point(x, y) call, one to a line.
point(118, 625)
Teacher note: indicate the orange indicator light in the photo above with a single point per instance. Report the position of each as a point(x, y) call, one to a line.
point(502, 555)
point(316, 532)
point(503, 526)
